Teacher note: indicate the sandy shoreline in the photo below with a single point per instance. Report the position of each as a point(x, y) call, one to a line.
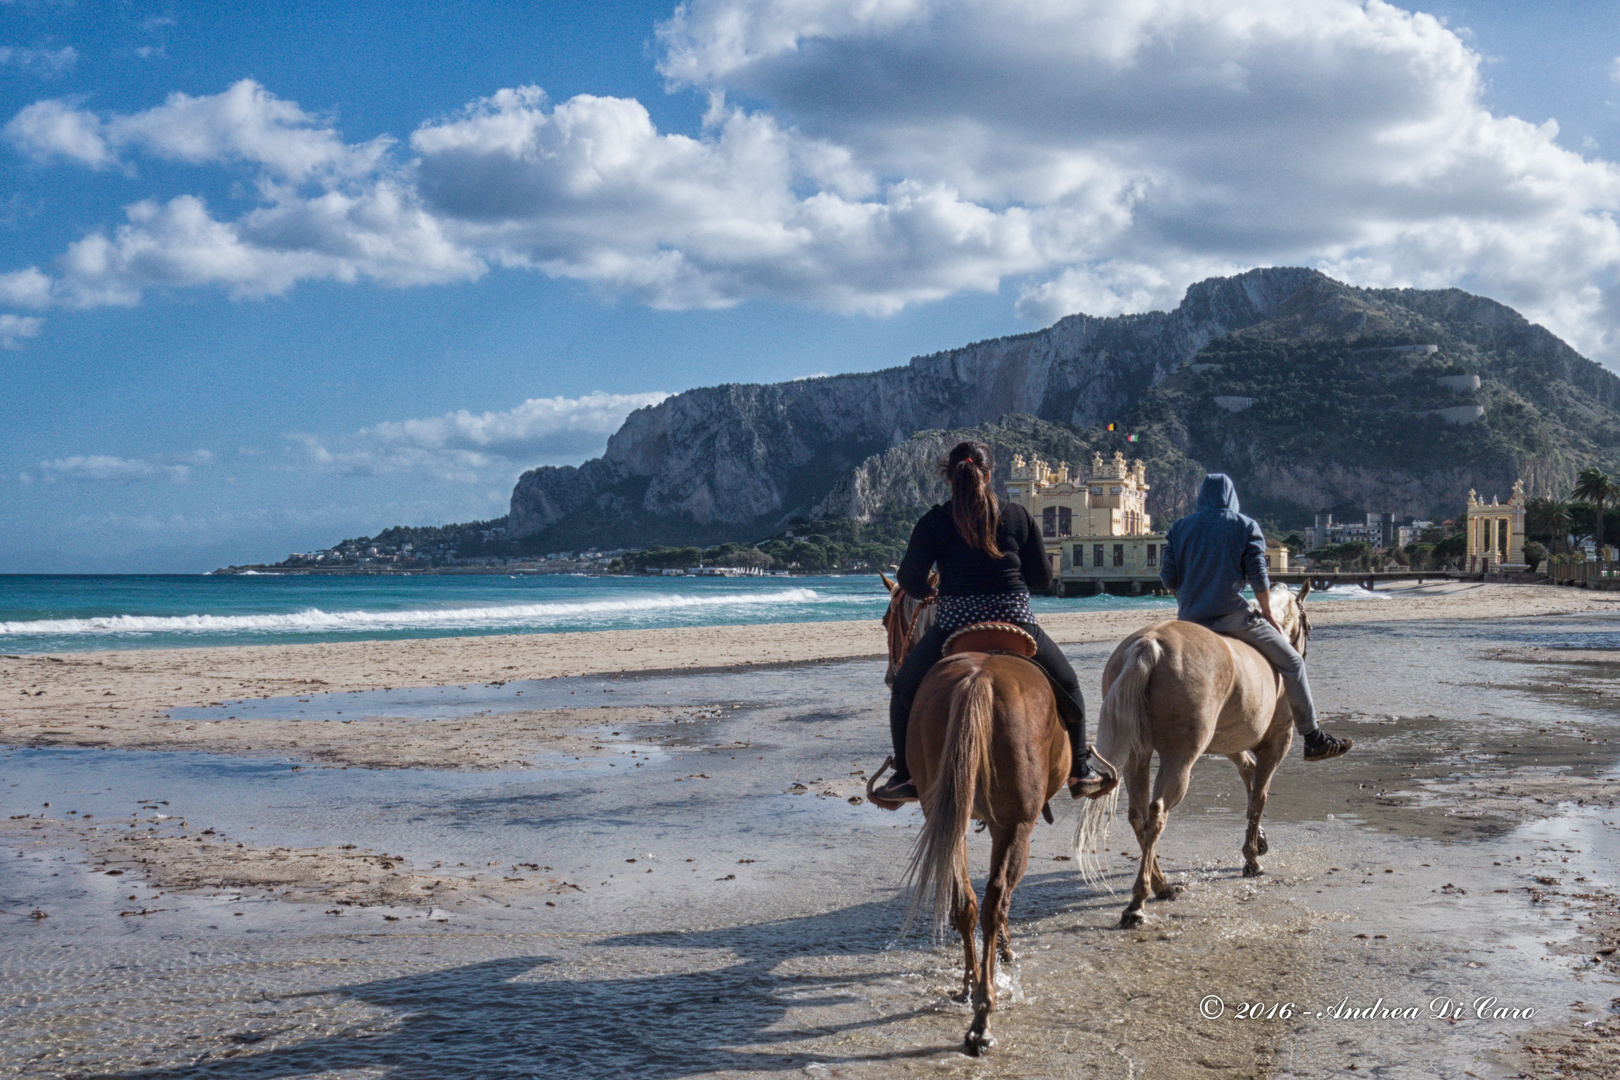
point(112, 698)
point(1413, 868)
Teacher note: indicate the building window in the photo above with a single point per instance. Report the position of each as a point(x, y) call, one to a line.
point(1119, 554)
point(1502, 537)
point(1153, 555)
point(1049, 521)
point(1096, 555)
point(1065, 521)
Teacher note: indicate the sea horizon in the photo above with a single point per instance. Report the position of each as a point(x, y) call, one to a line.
point(41, 613)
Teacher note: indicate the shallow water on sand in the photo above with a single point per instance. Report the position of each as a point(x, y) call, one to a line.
point(757, 932)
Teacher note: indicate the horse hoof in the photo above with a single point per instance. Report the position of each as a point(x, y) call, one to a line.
point(1260, 842)
point(961, 995)
point(1131, 920)
point(1171, 892)
point(1006, 954)
point(979, 1042)
point(1253, 870)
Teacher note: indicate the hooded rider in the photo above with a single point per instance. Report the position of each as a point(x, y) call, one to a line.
point(1208, 557)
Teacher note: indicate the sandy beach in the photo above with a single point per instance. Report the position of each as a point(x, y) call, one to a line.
point(645, 854)
point(122, 699)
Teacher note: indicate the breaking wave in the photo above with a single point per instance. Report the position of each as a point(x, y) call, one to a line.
point(314, 620)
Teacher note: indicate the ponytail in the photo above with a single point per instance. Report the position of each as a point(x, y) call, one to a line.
point(974, 510)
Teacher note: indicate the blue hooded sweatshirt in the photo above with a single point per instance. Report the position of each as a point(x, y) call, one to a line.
point(1212, 552)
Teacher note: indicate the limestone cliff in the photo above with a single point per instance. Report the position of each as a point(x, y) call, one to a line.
point(722, 461)
point(1314, 395)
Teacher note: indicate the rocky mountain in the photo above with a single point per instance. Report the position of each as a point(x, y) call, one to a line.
point(1315, 395)
point(729, 460)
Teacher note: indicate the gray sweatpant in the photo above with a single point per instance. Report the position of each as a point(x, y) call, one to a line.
point(1252, 627)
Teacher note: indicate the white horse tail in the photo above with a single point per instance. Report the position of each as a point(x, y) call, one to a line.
point(1123, 737)
point(938, 859)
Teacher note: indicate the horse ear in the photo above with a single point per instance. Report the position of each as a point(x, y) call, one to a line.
point(1304, 590)
point(887, 584)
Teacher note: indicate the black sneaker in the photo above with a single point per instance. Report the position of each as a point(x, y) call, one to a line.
point(1319, 746)
point(1086, 781)
point(896, 790)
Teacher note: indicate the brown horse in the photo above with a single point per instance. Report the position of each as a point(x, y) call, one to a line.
point(985, 741)
point(1183, 690)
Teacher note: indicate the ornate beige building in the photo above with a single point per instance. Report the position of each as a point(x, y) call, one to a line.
point(1496, 532)
point(1097, 530)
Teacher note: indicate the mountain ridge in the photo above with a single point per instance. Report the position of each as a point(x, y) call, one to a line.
point(742, 460)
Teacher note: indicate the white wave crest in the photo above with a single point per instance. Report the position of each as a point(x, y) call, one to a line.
point(314, 620)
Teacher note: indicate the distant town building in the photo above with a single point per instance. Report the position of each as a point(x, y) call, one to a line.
point(1379, 529)
point(1496, 532)
point(1097, 530)
point(1411, 533)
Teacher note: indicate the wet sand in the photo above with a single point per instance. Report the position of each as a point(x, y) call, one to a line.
point(671, 874)
point(115, 698)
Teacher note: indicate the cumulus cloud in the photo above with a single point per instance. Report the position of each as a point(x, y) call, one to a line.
point(46, 63)
point(863, 155)
point(469, 447)
point(106, 468)
point(15, 329)
point(329, 211)
point(245, 123)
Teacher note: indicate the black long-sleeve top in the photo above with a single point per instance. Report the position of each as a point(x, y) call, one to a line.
point(965, 570)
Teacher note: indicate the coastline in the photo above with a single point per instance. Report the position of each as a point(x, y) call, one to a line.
point(626, 838)
point(149, 681)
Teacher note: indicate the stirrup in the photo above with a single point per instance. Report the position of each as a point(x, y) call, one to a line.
point(1092, 787)
point(880, 801)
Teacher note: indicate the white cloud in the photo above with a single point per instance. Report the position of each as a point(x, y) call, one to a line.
point(245, 123)
point(14, 329)
point(47, 63)
point(106, 468)
point(468, 447)
point(330, 211)
point(1100, 154)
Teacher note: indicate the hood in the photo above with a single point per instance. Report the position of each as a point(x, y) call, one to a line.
point(1218, 493)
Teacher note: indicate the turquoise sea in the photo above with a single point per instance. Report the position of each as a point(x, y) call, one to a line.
point(95, 612)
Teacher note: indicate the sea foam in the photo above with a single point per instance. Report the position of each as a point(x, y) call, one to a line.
point(317, 621)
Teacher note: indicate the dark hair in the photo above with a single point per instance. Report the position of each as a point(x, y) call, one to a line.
point(973, 505)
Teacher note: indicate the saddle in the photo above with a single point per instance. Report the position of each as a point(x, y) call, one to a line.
point(1007, 639)
point(991, 637)
point(1001, 639)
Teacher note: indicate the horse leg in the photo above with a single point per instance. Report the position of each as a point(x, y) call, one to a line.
point(1268, 756)
point(1137, 778)
point(965, 913)
point(1009, 855)
point(1245, 765)
point(1170, 787)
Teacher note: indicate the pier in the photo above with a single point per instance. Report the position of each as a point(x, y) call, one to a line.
point(1319, 579)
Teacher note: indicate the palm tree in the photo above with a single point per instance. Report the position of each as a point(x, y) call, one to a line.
point(1593, 485)
point(1544, 516)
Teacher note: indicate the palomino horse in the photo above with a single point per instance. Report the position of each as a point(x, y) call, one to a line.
point(985, 741)
point(1183, 690)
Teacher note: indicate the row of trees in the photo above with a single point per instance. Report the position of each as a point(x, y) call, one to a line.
point(1589, 513)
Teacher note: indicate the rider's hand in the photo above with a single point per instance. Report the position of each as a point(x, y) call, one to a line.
point(1264, 603)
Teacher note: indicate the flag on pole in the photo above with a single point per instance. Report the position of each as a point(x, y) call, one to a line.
point(1111, 427)
point(1130, 438)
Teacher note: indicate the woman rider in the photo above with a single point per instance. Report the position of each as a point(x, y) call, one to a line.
point(989, 556)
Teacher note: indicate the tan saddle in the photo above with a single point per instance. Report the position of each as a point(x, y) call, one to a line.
point(991, 637)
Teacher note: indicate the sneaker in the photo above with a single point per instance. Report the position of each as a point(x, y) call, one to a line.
point(896, 791)
point(1319, 746)
point(1086, 781)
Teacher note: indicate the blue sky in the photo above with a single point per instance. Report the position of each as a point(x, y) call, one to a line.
point(272, 278)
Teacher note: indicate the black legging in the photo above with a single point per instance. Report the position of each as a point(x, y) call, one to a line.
point(926, 653)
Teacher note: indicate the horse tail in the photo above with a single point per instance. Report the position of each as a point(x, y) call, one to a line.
point(1123, 737)
point(938, 859)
